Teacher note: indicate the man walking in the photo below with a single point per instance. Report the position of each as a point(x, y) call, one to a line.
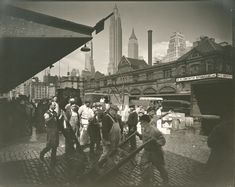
point(52, 134)
point(86, 115)
point(153, 153)
point(111, 132)
point(71, 124)
point(94, 131)
point(132, 125)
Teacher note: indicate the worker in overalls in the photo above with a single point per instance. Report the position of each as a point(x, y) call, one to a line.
point(52, 134)
point(111, 132)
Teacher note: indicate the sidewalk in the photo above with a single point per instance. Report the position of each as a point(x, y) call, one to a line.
point(20, 165)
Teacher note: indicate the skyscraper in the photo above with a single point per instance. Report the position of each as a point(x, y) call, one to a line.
point(177, 47)
point(115, 41)
point(89, 62)
point(133, 46)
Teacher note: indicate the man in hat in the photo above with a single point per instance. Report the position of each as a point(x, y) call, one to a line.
point(70, 125)
point(94, 130)
point(86, 115)
point(52, 133)
point(151, 111)
point(111, 132)
point(132, 125)
point(153, 153)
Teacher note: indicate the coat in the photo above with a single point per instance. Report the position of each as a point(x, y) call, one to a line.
point(52, 129)
point(154, 149)
point(132, 122)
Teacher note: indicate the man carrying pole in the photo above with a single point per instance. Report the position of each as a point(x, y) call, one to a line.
point(153, 153)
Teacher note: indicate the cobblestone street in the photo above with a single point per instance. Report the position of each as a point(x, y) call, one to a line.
point(20, 164)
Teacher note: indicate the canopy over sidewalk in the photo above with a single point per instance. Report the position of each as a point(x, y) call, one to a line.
point(31, 42)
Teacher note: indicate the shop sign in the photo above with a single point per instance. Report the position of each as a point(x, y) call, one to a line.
point(196, 77)
point(224, 76)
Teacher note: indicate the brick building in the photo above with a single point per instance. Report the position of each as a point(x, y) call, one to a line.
point(207, 63)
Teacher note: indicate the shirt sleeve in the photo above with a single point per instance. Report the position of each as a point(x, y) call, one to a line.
point(46, 116)
point(80, 110)
point(92, 114)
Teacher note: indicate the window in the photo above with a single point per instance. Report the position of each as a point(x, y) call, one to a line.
point(105, 82)
point(149, 75)
point(183, 70)
point(194, 69)
point(210, 68)
point(167, 73)
point(135, 78)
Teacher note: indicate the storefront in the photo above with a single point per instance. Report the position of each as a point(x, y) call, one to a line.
point(211, 94)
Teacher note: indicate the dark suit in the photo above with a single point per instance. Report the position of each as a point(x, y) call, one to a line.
point(132, 126)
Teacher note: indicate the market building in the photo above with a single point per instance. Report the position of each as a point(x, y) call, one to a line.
point(202, 75)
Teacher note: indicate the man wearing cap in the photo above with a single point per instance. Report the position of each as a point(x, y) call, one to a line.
point(153, 153)
point(111, 132)
point(52, 133)
point(86, 114)
point(94, 130)
point(70, 125)
point(132, 125)
point(151, 111)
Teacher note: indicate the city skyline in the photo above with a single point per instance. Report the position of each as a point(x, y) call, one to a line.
point(192, 19)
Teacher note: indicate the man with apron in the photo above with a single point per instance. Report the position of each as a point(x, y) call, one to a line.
point(52, 134)
point(86, 115)
point(111, 132)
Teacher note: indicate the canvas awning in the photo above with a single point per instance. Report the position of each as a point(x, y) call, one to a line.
point(31, 42)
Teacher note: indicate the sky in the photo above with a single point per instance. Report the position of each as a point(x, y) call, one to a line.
point(192, 19)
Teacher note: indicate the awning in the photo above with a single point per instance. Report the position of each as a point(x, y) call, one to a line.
point(31, 42)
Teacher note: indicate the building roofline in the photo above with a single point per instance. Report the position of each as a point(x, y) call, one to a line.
point(29, 15)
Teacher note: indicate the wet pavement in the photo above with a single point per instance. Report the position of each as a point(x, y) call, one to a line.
point(185, 154)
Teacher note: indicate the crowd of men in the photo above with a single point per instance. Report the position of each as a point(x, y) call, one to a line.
point(101, 127)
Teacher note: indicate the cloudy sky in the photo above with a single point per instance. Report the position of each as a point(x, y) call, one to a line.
point(192, 19)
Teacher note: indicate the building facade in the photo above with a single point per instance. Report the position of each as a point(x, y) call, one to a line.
point(133, 47)
point(38, 90)
point(207, 62)
point(176, 48)
point(115, 42)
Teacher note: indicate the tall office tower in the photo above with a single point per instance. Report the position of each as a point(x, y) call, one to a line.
point(133, 46)
point(115, 41)
point(177, 47)
point(89, 61)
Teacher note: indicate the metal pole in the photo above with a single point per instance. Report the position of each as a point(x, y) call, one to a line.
point(123, 161)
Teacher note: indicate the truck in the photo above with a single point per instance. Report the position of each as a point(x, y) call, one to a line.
point(179, 118)
point(64, 94)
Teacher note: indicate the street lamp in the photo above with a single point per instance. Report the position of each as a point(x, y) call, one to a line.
point(85, 48)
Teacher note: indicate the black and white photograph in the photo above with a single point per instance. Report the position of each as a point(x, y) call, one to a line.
point(117, 93)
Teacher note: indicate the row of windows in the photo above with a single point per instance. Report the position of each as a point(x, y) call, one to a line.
point(193, 69)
